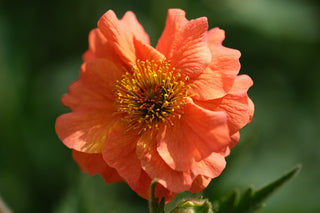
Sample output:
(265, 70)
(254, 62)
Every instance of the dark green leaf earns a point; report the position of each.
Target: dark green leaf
(228, 204)
(251, 201)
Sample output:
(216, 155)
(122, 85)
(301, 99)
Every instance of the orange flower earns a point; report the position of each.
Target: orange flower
(170, 113)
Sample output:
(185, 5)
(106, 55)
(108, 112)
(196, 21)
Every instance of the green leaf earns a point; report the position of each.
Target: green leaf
(228, 204)
(251, 201)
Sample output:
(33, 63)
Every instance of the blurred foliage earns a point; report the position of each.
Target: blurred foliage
(41, 43)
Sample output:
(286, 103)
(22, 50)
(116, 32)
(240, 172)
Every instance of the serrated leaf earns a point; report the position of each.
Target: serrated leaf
(251, 201)
(227, 205)
(246, 198)
(268, 190)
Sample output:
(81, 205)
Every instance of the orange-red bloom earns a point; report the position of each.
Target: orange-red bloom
(172, 112)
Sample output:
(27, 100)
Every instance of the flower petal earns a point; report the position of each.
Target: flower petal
(207, 169)
(91, 99)
(142, 187)
(146, 52)
(88, 55)
(199, 184)
(234, 139)
(208, 85)
(236, 104)
(100, 48)
(85, 130)
(175, 21)
(218, 78)
(184, 43)
(251, 109)
(211, 167)
(94, 164)
(95, 85)
(193, 138)
(156, 168)
(195, 179)
(130, 21)
(119, 152)
(215, 37)
(120, 34)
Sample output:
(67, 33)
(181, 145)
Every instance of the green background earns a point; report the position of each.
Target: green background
(41, 43)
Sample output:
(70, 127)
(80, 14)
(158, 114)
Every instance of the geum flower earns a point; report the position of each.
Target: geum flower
(170, 113)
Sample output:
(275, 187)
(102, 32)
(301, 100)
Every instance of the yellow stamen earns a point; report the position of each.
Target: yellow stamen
(151, 94)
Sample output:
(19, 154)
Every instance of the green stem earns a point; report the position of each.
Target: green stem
(155, 206)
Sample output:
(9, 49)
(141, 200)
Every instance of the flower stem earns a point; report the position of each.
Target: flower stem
(155, 206)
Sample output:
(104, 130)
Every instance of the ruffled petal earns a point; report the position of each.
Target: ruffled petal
(119, 152)
(215, 37)
(194, 180)
(130, 21)
(207, 169)
(218, 78)
(156, 168)
(234, 139)
(146, 52)
(100, 48)
(193, 138)
(211, 167)
(236, 104)
(208, 85)
(142, 188)
(199, 184)
(88, 55)
(184, 43)
(175, 21)
(94, 164)
(120, 34)
(251, 109)
(85, 130)
(94, 87)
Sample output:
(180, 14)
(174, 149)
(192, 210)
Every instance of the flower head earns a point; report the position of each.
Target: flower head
(170, 113)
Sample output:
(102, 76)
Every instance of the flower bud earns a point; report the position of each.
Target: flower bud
(193, 206)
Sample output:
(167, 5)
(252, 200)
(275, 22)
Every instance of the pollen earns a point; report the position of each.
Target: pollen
(151, 94)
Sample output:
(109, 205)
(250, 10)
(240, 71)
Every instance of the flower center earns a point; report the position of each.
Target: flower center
(153, 93)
